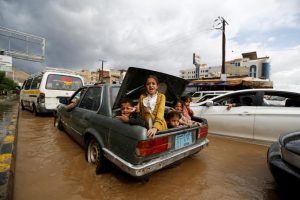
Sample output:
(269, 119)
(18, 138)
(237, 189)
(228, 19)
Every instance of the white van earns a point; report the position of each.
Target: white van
(40, 92)
(198, 96)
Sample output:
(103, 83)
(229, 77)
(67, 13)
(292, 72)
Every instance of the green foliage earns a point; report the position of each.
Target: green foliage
(6, 83)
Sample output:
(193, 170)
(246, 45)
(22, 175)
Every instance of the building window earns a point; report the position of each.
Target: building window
(252, 71)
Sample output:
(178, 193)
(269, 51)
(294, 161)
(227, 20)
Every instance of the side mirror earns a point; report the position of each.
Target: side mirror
(63, 100)
(209, 103)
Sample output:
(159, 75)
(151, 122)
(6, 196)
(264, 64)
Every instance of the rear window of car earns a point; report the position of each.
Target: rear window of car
(36, 82)
(63, 82)
(27, 84)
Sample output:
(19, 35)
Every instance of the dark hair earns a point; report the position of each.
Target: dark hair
(178, 101)
(187, 97)
(126, 100)
(172, 114)
(154, 77)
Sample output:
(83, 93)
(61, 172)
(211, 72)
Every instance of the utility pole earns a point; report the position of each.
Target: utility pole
(222, 21)
(101, 79)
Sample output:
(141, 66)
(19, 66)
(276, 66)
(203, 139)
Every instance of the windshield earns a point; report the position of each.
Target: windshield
(63, 82)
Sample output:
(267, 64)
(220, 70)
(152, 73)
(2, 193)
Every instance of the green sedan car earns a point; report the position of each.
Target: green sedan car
(91, 122)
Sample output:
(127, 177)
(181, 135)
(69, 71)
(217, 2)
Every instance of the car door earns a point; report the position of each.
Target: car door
(237, 121)
(276, 115)
(81, 115)
(66, 112)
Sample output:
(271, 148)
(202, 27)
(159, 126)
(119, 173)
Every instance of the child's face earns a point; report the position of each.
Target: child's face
(174, 121)
(151, 86)
(126, 109)
(178, 107)
(187, 102)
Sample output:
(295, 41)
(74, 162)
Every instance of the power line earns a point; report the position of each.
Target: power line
(174, 40)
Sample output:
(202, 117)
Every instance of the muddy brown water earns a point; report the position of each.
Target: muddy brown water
(50, 165)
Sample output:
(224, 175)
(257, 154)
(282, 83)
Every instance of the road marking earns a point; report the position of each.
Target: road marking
(9, 139)
(4, 167)
(5, 156)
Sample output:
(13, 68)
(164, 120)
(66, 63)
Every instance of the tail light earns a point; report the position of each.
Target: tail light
(41, 98)
(202, 132)
(153, 146)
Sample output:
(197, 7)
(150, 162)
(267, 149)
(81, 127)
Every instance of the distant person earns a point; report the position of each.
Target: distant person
(128, 114)
(75, 101)
(173, 118)
(151, 106)
(246, 101)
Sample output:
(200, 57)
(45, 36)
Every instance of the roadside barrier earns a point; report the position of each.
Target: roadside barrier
(7, 153)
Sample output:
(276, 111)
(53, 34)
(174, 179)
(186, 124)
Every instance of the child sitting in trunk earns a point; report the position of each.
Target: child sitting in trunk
(128, 114)
(179, 107)
(173, 118)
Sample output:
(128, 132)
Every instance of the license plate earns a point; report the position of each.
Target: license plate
(183, 140)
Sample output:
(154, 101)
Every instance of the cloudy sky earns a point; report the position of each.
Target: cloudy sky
(159, 35)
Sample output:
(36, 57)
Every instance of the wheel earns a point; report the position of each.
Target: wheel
(22, 106)
(34, 111)
(57, 123)
(95, 156)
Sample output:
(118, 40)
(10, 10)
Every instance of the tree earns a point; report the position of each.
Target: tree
(6, 83)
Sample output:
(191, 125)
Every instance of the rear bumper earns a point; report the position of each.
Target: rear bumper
(155, 164)
(284, 173)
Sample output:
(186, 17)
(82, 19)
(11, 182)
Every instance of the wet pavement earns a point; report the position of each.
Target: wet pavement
(50, 165)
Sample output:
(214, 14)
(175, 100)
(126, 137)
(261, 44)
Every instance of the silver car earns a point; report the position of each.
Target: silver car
(260, 114)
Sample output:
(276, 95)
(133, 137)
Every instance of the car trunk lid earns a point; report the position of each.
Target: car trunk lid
(133, 85)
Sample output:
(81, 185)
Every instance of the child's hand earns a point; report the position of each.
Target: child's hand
(123, 118)
(132, 109)
(151, 132)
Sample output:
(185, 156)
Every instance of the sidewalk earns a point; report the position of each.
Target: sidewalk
(9, 110)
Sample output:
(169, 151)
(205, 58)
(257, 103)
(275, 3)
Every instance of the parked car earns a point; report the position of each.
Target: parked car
(105, 138)
(200, 94)
(206, 97)
(284, 160)
(261, 114)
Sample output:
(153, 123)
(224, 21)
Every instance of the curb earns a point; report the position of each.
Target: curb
(8, 155)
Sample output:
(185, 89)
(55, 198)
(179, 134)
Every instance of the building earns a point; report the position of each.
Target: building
(86, 75)
(249, 65)
(109, 76)
(192, 74)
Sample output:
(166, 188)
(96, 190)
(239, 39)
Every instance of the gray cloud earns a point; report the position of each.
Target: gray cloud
(160, 35)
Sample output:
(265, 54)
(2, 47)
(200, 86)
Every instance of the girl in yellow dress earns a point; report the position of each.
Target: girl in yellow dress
(152, 107)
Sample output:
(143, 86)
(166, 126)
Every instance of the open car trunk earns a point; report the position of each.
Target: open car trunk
(134, 82)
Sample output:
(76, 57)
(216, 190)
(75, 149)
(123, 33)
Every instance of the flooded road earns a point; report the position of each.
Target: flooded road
(50, 165)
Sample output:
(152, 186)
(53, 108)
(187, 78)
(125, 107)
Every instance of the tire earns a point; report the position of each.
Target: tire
(34, 111)
(57, 123)
(22, 106)
(94, 155)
